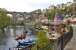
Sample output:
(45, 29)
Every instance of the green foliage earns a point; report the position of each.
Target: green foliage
(4, 19)
(51, 13)
(34, 47)
(42, 41)
(37, 11)
(2, 37)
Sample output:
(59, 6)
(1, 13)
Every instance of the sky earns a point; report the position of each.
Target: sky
(28, 5)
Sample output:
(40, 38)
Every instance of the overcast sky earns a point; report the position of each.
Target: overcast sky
(28, 5)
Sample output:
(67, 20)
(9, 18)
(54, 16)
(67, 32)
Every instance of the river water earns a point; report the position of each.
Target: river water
(10, 41)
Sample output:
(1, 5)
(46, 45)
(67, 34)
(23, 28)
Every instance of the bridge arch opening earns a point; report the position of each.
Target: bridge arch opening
(10, 15)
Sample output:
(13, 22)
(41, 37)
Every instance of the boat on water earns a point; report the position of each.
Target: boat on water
(25, 41)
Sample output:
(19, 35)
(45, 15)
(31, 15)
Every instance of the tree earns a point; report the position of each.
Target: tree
(4, 19)
(37, 11)
(4, 22)
(51, 13)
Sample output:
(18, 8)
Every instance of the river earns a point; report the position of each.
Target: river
(10, 40)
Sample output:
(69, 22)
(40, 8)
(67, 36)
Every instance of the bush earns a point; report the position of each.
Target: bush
(42, 41)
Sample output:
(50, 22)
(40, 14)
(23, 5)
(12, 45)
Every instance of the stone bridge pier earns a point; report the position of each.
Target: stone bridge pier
(18, 17)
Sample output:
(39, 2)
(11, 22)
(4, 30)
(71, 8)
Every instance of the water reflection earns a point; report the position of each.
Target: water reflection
(10, 40)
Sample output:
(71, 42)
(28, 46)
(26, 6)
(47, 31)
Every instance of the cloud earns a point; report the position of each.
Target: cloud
(27, 5)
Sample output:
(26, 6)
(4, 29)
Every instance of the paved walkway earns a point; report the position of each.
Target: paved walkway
(72, 44)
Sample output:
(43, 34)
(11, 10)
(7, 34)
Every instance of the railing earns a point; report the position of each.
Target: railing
(67, 37)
